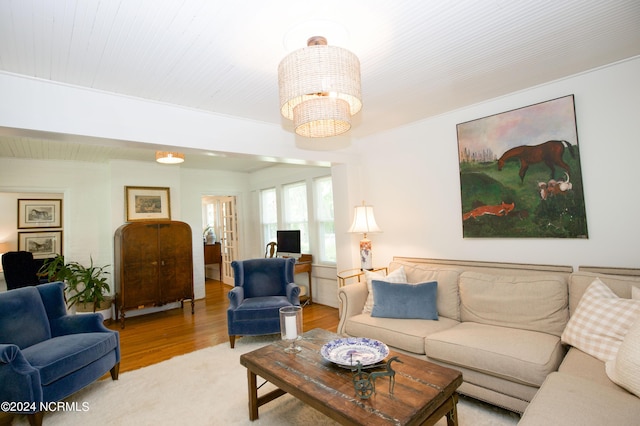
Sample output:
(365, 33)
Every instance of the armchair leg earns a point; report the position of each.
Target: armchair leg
(115, 371)
(35, 419)
(232, 340)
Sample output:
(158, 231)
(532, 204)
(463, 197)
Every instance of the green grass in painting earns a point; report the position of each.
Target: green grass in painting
(561, 216)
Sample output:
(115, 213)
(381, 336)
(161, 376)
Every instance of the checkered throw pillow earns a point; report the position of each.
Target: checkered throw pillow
(601, 321)
(397, 276)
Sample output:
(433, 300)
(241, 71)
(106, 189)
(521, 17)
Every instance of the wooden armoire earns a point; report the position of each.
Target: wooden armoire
(153, 265)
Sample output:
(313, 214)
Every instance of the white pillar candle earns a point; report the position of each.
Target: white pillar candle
(290, 327)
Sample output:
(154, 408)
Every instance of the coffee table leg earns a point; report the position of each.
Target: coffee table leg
(452, 416)
(253, 395)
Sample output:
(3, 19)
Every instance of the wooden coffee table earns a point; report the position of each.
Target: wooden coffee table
(424, 392)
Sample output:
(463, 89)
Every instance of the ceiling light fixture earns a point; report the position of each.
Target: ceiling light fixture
(320, 89)
(168, 157)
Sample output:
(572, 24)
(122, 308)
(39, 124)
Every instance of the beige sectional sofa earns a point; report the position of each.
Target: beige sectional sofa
(498, 323)
(580, 392)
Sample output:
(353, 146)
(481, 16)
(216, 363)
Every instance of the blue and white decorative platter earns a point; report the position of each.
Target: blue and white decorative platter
(346, 352)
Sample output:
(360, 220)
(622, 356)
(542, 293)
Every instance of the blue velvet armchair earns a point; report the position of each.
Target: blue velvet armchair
(47, 355)
(262, 287)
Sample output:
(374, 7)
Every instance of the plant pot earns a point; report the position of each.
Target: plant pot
(105, 308)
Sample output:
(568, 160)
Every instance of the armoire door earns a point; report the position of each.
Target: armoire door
(175, 261)
(140, 265)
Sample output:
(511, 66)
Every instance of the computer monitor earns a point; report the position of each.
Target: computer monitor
(288, 243)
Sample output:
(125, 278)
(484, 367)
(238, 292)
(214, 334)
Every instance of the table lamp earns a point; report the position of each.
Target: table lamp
(364, 223)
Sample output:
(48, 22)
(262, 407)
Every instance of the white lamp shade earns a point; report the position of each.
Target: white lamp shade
(363, 221)
(321, 117)
(320, 89)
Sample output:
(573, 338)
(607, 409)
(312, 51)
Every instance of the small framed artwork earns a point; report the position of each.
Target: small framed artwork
(39, 213)
(147, 203)
(41, 244)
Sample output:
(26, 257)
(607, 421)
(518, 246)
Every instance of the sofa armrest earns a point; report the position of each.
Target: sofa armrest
(293, 293)
(236, 296)
(74, 324)
(352, 299)
(20, 381)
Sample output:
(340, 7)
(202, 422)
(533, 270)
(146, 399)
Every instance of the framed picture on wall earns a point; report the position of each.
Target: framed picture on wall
(520, 173)
(147, 203)
(42, 213)
(41, 244)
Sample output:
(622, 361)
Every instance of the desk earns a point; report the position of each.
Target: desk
(304, 265)
(213, 255)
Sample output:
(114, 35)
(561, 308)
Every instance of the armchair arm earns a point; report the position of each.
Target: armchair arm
(293, 293)
(352, 299)
(73, 324)
(20, 381)
(236, 296)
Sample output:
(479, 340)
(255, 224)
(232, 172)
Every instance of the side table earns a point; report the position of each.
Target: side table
(355, 273)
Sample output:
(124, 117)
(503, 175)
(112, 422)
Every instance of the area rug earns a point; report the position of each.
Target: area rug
(208, 387)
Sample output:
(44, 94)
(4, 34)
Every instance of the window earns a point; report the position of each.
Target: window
(269, 214)
(294, 199)
(323, 190)
(306, 205)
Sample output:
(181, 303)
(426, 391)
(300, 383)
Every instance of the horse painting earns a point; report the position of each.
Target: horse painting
(550, 152)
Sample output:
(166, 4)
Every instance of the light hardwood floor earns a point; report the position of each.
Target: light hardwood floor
(153, 338)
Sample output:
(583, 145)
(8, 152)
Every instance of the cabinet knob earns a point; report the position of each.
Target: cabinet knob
(154, 263)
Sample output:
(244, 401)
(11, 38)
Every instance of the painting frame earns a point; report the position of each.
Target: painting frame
(521, 175)
(39, 213)
(42, 245)
(147, 203)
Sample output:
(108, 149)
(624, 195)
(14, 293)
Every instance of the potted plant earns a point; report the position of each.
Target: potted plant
(55, 269)
(86, 287)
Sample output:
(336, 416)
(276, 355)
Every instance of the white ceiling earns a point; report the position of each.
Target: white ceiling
(419, 58)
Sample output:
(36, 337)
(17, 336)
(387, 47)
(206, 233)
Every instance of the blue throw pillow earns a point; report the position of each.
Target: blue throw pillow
(404, 300)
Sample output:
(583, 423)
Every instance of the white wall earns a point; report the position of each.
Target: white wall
(94, 201)
(86, 203)
(411, 176)
(62, 112)
(94, 207)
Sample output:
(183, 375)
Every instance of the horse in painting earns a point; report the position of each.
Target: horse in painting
(549, 152)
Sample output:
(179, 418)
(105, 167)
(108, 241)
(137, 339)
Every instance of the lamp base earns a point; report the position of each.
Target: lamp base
(366, 262)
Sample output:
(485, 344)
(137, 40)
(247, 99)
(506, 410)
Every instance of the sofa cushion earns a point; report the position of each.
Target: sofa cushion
(397, 276)
(447, 278)
(60, 356)
(519, 355)
(581, 364)
(580, 281)
(405, 334)
(260, 307)
(600, 321)
(23, 319)
(404, 300)
(533, 302)
(625, 368)
(564, 399)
